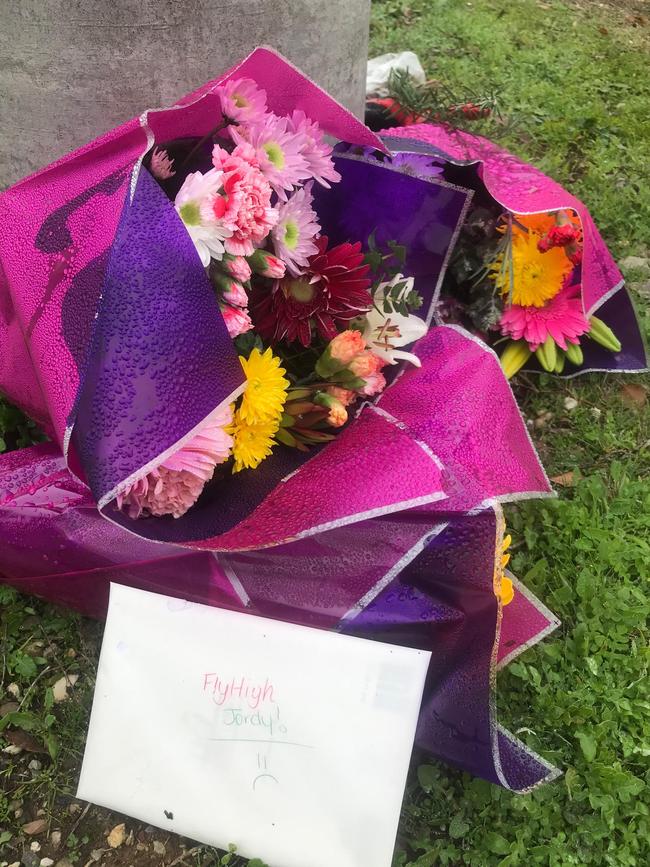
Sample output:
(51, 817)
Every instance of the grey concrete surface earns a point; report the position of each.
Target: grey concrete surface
(72, 69)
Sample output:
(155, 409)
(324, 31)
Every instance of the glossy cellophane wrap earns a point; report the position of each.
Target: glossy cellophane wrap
(523, 189)
(112, 340)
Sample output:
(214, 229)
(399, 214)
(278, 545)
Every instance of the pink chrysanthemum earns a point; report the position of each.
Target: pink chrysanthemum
(278, 149)
(242, 100)
(244, 204)
(297, 227)
(174, 486)
(562, 318)
(315, 150)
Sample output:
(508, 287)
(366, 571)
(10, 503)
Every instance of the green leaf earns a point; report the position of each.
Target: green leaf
(497, 843)
(52, 744)
(587, 745)
(21, 719)
(458, 827)
(428, 776)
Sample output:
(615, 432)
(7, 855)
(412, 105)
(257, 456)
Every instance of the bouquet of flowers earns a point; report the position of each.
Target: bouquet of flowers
(530, 273)
(225, 328)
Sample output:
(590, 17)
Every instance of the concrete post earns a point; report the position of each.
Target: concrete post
(72, 69)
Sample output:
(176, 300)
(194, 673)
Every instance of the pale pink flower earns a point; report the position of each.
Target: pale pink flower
(278, 149)
(244, 203)
(297, 227)
(235, 294)
(161, 165)
(174, 486)
(237, 320)
(242, 100)
(315, 150)
(346, 346)
(562, 318)
(238, 268)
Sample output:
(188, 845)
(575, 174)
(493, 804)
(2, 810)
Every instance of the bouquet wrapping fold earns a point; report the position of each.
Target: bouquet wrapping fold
(522, 189)
(112, 339)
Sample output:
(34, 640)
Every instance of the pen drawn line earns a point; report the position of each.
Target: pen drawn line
(265, 776)
(261, 741)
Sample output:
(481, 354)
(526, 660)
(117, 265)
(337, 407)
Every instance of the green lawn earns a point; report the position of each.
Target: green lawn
(573, 78)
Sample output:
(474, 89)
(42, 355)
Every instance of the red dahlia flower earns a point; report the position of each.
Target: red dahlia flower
(332, 291)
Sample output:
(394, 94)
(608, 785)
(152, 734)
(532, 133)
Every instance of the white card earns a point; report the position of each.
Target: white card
(292, 743)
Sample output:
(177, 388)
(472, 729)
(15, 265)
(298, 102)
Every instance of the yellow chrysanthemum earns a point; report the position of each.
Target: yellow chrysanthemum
(266, 388)
(536, 277)
(251, 442)
(503, 586)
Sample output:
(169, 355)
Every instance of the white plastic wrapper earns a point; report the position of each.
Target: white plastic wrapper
(380, 68)
(291, 742)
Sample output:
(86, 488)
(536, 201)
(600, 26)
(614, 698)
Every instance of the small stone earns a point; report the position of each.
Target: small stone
(159, 847)
(60, 688)
(596, 412)
(35, 846)
(35, 827)
(64, 862)
(13, 750)
(14, 864)
(18, 813)
(71, 653)
(30, 859)
(14, 689)
(116, 836)
(96, 854)
(140, 847)
(570, 403)
(74, 808)
(55, 839)
(34, 765)
(47, 862)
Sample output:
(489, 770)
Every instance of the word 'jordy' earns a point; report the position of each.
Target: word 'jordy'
(224, 690)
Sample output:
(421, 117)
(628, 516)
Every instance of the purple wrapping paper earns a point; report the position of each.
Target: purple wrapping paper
(113, 341)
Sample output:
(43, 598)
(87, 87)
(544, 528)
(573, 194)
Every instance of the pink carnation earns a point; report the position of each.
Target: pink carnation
(365, 364)
(174, 486)
(235, 294)
(346, 346)
(237, 320)
(562, 318)
(238, 268)
(375, 383)
(244, 204)
(344, 395)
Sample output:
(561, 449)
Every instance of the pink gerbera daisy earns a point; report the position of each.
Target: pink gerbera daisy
(242, 100)
(278, 149)
(296, 229)
(315, 150)
(562, 318)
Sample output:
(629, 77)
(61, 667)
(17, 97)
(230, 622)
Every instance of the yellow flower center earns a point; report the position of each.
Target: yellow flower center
(190, 214)
(300, 290)
(275, 154)
(291, 234)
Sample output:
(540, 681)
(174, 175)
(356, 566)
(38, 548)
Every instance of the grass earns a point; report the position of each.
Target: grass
(574, 77)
